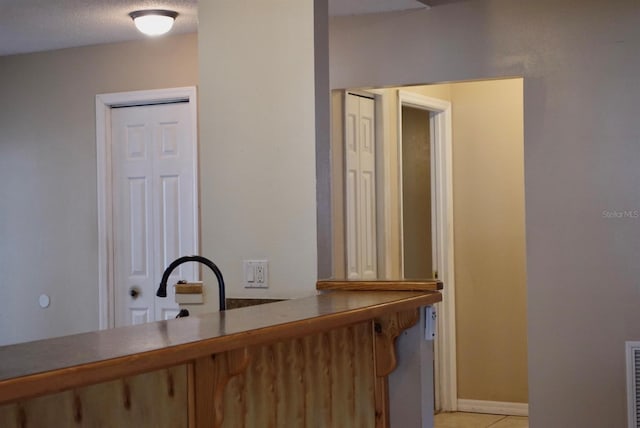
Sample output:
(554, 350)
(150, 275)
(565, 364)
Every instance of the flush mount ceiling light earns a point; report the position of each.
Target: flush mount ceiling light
(153, 22)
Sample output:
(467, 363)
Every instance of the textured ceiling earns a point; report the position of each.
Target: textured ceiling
(39, 25)
(36, 25)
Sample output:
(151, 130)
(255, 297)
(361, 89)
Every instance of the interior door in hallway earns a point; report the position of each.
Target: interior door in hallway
(153, 207)
(360, 192)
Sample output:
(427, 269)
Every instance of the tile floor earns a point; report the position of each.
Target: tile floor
(477, 420)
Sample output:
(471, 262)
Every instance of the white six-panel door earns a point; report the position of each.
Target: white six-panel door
(360, 188)
(153, 207)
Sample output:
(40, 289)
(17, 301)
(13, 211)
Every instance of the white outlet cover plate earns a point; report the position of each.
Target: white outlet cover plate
(251, 276)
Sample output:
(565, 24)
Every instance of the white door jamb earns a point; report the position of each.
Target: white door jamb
(442, 201)
(104, 103)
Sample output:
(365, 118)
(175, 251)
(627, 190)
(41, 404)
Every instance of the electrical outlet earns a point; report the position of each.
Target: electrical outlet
(256, 273)
(259, 273)
(430, 323)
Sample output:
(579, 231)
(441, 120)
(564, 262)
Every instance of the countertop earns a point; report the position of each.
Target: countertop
(46, 366)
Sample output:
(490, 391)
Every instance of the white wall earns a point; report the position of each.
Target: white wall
(580, 66)
(48, 202)
(257, 142)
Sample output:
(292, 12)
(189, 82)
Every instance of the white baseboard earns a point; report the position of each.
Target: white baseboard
(493, 407)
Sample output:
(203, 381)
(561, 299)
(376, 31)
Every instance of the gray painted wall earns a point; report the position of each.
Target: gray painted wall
(48, 202)
(580, 63)
(411, 399)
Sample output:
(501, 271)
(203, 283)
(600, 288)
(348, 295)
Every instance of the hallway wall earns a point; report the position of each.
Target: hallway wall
(48, 218)
(489, 230)
(580, 66)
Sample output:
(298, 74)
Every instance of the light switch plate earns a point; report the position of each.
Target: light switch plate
(255, 273)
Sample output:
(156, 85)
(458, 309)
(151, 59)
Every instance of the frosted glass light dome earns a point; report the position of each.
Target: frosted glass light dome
(153, 22)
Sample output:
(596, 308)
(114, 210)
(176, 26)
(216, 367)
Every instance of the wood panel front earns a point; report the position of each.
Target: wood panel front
(317, 381)
(157, 399)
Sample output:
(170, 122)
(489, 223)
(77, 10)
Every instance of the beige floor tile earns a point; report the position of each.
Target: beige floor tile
(512, 422)
(465, 420)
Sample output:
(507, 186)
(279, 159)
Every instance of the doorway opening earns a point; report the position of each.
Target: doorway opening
(416, 205)
(147, 199)
(487, 367)
(368, 195)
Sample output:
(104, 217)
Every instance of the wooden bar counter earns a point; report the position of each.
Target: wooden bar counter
(320, 361)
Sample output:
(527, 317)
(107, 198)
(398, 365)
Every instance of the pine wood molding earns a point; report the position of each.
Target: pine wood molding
(212, 374)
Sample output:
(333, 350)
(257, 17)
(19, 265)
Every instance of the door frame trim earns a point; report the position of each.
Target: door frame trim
(442, 218)
(104, 104)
